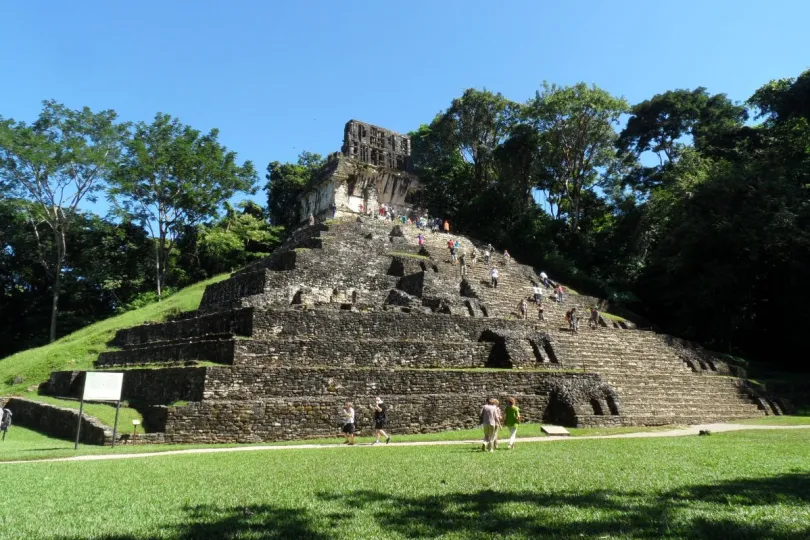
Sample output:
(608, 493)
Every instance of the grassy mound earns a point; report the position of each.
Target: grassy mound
(26, 369)
(750, 484)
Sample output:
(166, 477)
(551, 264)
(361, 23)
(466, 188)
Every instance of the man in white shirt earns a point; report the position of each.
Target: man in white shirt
(494, 275)
(538, 293)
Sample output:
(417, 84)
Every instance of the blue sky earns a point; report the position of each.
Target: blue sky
(280, 77)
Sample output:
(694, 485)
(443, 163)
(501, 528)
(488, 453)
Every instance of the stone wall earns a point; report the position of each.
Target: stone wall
(235, 287)
(219, 351)
(301, 418)
(247, 383)
(367, 353)
(281, 323)
(231, 322)
(57, 422)
(147, 386)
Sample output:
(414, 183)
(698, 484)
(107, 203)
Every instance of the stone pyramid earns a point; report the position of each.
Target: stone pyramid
(354, 308)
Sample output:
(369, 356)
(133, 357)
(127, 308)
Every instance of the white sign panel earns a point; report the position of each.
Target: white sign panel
(102, 386)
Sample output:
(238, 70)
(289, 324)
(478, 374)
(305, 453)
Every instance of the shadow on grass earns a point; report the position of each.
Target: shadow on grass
(703, 511)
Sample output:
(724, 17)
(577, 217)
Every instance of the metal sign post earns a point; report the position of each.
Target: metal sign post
(79, 425)
(115, 426)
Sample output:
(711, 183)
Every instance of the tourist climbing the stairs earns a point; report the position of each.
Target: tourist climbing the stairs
(420, 240)
(488, 253)
(473, 257)
(522, 309)
(538, 293)
(593, 322)
(560, 294)
(348, 423)
(462, 260)
(446, 226)
(506, 257)
(493, 274)
(540, 313)
(490, 419)
(573, 322)
(452, 247)
(544, 279)
(380, 420)
(512, 420)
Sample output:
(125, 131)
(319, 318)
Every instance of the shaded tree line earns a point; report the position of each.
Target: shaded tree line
(692, 212)
(169, 223)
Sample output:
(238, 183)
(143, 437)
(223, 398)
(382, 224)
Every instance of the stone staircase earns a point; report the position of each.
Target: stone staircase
(655, 385)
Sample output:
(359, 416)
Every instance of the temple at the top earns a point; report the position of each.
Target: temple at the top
(373, 168)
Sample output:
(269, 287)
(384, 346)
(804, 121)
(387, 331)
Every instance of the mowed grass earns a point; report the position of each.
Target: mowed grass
(777, 421)
(743, 485)
(79, 349)
(25, 444)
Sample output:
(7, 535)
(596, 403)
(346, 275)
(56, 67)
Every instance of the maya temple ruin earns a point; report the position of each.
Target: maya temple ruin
(352, 307)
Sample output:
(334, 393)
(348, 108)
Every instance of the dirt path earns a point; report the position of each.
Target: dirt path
(676, 432)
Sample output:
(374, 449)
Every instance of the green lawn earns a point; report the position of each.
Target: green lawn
(744, 485)
(777, 421)
(79, 349)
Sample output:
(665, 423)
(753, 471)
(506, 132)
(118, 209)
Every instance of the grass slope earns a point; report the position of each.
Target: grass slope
(79, 349)
(743, 485)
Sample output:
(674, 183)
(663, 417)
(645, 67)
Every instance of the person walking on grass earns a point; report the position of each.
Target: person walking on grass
(491, 420)
(348, 423)
(380, 420)
(512, 419)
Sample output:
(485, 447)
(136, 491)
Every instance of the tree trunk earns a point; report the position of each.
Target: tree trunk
(59, 240)
(157, 267)
(57, 285)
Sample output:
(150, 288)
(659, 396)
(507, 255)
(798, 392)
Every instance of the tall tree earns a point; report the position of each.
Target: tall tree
(285, 181)
(577, 138)
(474, 125)
(173, 176)
(57, 162)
